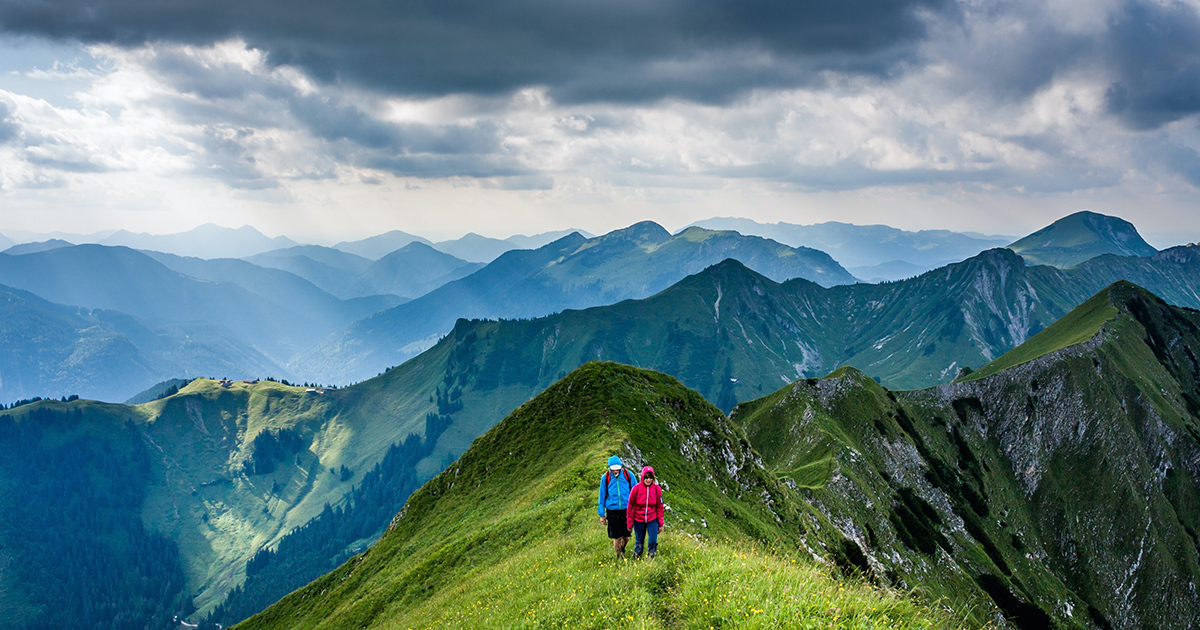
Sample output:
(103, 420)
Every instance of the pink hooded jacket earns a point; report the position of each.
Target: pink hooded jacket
(645, 502)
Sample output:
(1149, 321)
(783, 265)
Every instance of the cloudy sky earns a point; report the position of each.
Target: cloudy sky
(330, 120)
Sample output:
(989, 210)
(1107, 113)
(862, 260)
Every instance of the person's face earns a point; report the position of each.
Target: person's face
(648, 479)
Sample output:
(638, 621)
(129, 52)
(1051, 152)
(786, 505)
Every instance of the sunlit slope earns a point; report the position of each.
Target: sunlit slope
(221, 504)
(508, 536)
(1079, 237)
(1064, 488)
(1076, 327)
(226, 470)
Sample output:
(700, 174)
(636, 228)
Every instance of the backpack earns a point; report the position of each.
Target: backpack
(608, 477)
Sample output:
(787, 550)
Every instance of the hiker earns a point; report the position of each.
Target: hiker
(615, 485)
(644, 514)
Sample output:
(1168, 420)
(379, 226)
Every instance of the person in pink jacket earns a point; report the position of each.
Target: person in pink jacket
(644, 514)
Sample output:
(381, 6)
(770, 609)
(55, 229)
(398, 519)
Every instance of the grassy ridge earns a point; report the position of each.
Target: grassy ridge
(508, 536)
(1076, 327)
(1056, 492)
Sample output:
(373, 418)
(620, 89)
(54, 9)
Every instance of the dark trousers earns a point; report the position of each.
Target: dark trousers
(639, 532)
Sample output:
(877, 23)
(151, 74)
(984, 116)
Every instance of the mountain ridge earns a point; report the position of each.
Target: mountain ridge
(570, 273)
(1079, 237)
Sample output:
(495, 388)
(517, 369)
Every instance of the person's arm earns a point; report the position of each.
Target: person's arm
(662, 512)
(600, 499)
(630, 507)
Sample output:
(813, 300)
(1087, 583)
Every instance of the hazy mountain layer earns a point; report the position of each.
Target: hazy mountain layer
(33, 248)
(206, 241)
(475, 248)
(50, 350)
(865, 245)
(131, 282)
(287, 290)
(411, 271)
(545, 238)
(1073, 239)
(408, 272)
(572, 272)
(380, 245)
(333, 270)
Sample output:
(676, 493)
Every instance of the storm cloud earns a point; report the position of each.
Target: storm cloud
(617, 99)
(609, 50)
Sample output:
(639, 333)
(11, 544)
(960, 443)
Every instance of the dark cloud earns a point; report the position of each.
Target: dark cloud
(1155, 49)
(614, 50)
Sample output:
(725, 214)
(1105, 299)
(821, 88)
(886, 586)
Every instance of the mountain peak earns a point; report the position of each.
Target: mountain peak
(1078, 237)
(643, 232)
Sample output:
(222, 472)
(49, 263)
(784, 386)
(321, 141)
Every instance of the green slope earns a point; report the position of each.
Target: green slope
(508, 536)
(232, 469)
(1062, 489)
(1078, 237)
(1078, 326)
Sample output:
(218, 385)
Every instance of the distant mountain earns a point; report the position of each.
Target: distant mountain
(411, 271)
(53, 350)
(475, 248)
(537, 240)
(121, 279)
(333, 270)
(26, 236)
(205, 241)
(866, 245)
(33, 248)
(572, 272)
(291, 292)
(6, 242)
(378, 246)
(735, 335)
(888, 271)
(1081, 236)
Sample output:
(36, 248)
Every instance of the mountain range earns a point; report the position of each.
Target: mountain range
(283, 319)
(205, 241)
(572, 272)
(1056, 490)
(229, 472)
(871, 252)
(408, 272)
(105, 354)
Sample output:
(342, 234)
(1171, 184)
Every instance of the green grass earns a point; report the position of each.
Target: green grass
(572, 582)
(1076, 327)
(509, 537)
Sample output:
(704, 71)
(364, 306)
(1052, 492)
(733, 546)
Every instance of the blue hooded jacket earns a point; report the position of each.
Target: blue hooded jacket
(615, 486)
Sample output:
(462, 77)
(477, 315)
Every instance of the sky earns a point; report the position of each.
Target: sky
(328, 121)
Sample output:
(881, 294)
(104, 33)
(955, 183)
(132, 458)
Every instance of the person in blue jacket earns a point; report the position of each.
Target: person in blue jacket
(615, 486)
